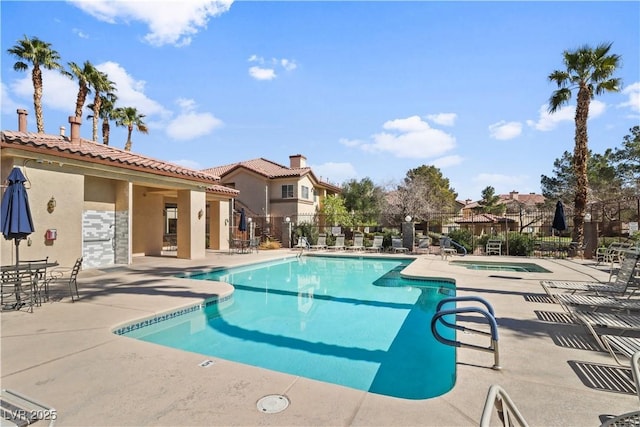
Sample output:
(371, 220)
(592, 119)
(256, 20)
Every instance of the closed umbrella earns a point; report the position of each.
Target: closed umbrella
(16, 222)
(242, 224)
(559, 221)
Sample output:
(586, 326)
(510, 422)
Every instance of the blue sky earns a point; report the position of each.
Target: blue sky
(362, 89)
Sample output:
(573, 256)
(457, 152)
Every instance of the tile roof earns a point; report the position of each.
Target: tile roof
(268, 169)
(91, 152)
(261, 166)
(483, 218)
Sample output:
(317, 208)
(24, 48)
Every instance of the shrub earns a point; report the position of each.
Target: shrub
(519, 244)
(462, 237)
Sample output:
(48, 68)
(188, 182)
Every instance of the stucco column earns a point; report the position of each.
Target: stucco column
(191, 224)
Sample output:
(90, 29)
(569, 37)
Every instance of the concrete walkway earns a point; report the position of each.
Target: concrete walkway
(65, 354)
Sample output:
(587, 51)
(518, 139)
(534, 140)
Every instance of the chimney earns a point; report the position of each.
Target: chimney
(514, 195)
(75, 129)
(62, 130)
(297, 161)
(22, 120)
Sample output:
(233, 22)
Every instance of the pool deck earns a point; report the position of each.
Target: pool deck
(66, 355)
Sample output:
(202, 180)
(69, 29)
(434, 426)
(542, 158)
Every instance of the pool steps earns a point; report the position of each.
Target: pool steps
(488, 314)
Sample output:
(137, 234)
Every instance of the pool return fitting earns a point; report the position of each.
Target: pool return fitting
(488, 314)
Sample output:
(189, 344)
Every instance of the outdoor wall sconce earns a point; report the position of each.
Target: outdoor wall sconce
(51, 204)
(200, 213)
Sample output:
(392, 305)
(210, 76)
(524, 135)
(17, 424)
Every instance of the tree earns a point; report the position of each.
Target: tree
(627, 160)
(489, 202)
(38, 54)
(104, 89)
(423, 192)
(364, 199)
(85, 76)
(106, 113)
(590, 71)
(334, 211)
(129, 117)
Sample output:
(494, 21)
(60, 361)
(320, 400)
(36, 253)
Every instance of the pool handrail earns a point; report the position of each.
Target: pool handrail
(488, 315)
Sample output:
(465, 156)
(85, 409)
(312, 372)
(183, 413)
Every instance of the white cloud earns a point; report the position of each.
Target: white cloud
(443, 119)
(80, 33)
(446, 161)
(350, 142)
(8, 105)
(547, 121)
(411, 138)
(267, 68)
(335, 173)
(191, 164)
(505, 130)
(169, 22)
(189, 124)
(633, 91)
(130, 92)
(58, 92)
(260, 73)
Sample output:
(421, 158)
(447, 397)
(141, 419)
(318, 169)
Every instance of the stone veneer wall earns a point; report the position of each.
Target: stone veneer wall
(122, 237)
(98, 231)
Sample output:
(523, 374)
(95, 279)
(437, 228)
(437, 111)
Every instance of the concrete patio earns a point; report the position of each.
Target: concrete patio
(66, 355)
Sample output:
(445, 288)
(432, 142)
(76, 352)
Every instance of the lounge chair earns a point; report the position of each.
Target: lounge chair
(493, 247)
(612, 253)
(338, 245)
(630, 418)
(396, 245)
(358, 243)
(321, 243)
(594, 320)
(624, 277)
(376, 245)
(627, 346)
(570, 302)
(423, 245)
(303, 243)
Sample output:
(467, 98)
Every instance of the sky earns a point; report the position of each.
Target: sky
(362, 89)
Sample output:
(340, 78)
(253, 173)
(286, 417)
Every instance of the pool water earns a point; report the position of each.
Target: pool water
(348, 321)
(524, 267)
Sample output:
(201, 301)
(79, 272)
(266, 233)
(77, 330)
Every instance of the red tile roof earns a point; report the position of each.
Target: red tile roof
(91, 152)
(483, 218)
(268, 169)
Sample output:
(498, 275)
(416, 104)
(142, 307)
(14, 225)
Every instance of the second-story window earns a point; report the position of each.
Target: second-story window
(305, 192)
(287, 191)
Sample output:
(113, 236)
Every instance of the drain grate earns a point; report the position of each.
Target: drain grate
(273, 403)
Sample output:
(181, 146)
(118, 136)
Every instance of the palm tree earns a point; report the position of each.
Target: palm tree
(129, 117)
(106, 113)
(36, 53)
(590, 71)
(85, 76)
(104, 89)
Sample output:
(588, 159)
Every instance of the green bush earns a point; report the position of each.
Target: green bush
(462, 237)
(519, 244)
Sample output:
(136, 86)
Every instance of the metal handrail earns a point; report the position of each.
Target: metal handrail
(488, 315)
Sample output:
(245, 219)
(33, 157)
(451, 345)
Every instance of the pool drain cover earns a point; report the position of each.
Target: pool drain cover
(273, 403)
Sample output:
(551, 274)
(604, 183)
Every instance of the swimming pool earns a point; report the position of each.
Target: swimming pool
(348, 321)
(525, 267)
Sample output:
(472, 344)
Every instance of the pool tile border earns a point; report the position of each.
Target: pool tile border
(172, 314)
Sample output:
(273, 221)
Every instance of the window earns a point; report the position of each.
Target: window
(305, 192)
(287, 191)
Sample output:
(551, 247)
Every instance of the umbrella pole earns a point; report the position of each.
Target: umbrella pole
(17, 250)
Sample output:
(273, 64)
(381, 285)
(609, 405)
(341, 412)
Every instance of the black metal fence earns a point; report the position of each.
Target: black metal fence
(525, 231)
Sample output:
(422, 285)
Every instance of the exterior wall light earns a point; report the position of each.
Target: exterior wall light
(51, 204)
(200, 213)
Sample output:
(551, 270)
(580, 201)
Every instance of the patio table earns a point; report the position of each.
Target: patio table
(35, 273)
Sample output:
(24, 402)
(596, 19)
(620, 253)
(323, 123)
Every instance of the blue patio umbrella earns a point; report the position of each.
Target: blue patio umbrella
(559, 221)
(16, 222)
(242, 224)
